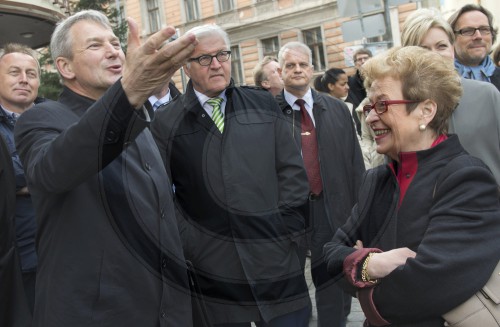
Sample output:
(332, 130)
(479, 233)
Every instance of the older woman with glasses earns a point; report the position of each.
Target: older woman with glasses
(476, 120)
(423, 237)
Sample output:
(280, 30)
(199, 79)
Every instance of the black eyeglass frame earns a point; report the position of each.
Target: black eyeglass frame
(466, 31)
(384, 104)
(217, 55)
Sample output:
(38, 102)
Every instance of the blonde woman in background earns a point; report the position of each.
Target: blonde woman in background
(476, 119)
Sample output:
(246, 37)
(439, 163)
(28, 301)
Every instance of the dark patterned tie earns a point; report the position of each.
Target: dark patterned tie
(310, 150)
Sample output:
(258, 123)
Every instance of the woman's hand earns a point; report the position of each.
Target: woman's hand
(382, 264)
(359, 245)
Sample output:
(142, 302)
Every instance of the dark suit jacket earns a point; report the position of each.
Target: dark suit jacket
(241, 197)
(14, 310)
(357, 93)
(495, 78)
(174, 91)
(108, 245)
(341, 161)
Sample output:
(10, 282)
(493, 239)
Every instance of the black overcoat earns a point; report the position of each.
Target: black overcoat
(242, 198)
(108, 245)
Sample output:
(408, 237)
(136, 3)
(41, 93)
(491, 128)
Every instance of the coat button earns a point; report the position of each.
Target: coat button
(147, 166)
(163, 314)
(164, 263)
(289, 111)
(111, 136)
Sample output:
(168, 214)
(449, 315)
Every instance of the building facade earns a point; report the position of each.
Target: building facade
(256, 27)
(260, 27)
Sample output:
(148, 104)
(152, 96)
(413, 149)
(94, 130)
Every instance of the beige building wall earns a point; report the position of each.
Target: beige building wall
(251, 21)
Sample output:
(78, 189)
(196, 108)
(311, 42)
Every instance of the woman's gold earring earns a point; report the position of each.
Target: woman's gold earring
(422, 127)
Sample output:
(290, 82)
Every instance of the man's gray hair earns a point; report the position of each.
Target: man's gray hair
(20, 48)
(295, 45)
(61, 42)
(209, 30)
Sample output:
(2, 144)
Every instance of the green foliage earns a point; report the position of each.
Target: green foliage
(50, 86)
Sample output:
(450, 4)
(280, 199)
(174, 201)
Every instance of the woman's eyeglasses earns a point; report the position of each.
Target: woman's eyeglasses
(383, 105)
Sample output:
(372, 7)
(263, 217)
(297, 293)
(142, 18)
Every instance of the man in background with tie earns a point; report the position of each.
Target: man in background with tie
(19, 82)
(164, 95)
(322, 128)
(241, 193)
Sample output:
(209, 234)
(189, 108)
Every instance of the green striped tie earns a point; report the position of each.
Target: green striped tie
(216, 113)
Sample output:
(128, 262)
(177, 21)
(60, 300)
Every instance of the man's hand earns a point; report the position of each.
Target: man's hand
(151, 65)
(382, 264)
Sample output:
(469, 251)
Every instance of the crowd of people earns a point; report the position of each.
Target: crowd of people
(129, 203)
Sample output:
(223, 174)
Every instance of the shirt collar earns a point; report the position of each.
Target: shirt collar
(166, 98)
(203, 98)
(9, 113)
(290, 99)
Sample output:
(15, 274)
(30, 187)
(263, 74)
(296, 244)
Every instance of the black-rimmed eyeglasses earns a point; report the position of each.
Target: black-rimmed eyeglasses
(469, 31)
(206, 60)
(383, 105)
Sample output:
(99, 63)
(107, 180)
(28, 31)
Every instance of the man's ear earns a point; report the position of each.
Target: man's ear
(265, 84)
(65, 68)
(279, 70)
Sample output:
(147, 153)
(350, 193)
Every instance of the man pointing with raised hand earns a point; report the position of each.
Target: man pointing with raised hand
(108, 245)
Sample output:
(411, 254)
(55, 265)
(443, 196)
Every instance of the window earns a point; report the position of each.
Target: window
(270, 47)
(153, 15)
(225, 5)
(191, 9)
(236, 71)
(314, 40)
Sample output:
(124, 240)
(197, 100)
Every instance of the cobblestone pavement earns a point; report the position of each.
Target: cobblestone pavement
(356, 317)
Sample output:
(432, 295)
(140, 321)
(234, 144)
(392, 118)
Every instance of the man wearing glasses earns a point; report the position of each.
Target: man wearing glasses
(357, 90)
(241, 193)
(475, 35)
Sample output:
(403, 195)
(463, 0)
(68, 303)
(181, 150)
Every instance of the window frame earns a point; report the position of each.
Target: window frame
(237, 72)
(225, 3)
(193, 14)
(317, 47)
(154, 16)
(275, 46)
